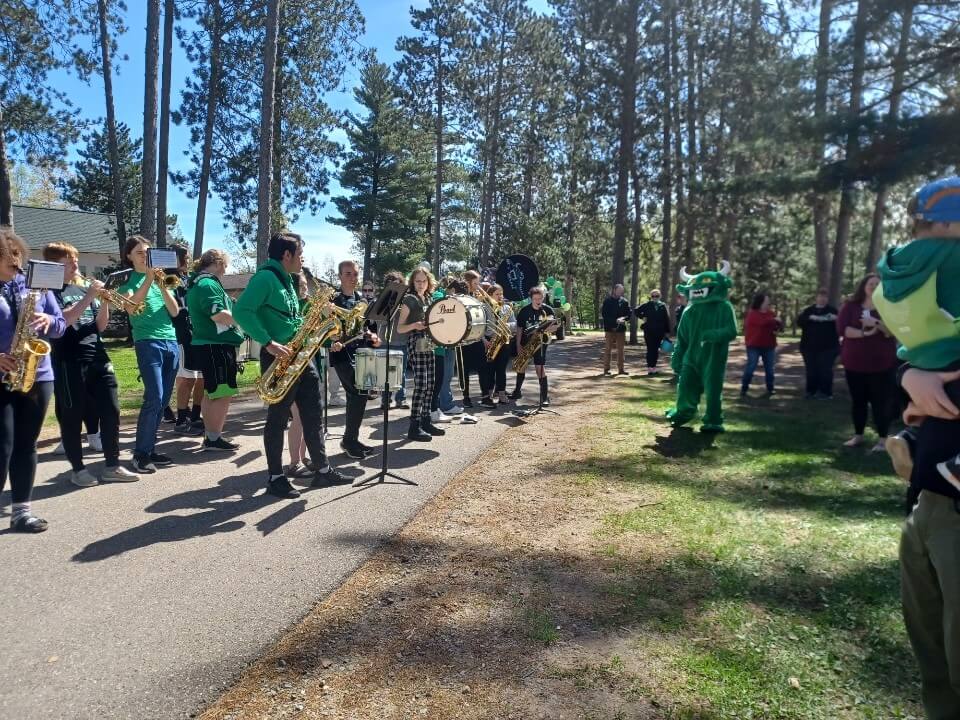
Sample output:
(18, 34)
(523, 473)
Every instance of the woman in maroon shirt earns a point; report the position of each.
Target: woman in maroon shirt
(760, 336)
(868, 353)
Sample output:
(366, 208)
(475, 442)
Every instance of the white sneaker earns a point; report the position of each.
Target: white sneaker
(455, 410)
(437, 416)
(118, 474)
(58, 450)
(468, 420)
(83, 478)
(94, 442)
(337, 401)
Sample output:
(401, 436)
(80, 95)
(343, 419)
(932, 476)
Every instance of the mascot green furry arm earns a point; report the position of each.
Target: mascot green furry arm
(700, 354)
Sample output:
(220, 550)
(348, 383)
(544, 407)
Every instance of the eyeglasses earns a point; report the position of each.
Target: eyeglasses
(368, 290)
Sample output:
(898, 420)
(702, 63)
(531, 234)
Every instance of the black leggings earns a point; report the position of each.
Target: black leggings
(652, 341)
(438, 361)
(500, 363)
(879, 391)
(21, 417)
(82, 387)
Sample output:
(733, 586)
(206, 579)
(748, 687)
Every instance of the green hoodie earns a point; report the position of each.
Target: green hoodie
(269, 309)
(919, 299)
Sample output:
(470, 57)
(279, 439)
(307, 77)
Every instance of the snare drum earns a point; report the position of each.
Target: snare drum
(456, 320)
(371, 370)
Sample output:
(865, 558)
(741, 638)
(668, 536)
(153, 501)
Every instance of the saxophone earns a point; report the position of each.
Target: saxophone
(537, 338)
(316, 329)
(501, 331)
(351, 322)
(26, 348)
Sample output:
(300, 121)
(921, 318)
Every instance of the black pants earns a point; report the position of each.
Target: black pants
(356, 402)
(878, 390)
(21, 417)
(652, 340)
(499, 366)
(306, 394)
(474, 360)
(438, 361)
(80, 387)
(819, 366)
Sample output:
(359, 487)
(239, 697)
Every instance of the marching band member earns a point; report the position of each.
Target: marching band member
(21, 414)
(155, 342)
(529, 317)
(500, 362)
(412, 322)
(83, 374)
(189, 383)
(343, 360)
(269, 311)
(474, 354)
(215, 339)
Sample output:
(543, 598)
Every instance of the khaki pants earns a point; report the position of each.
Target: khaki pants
(613, 339)
(930, 590)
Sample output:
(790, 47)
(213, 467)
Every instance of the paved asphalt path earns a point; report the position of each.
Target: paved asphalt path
(145, 600)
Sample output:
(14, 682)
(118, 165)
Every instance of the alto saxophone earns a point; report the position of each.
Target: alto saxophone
(501, 331)
(316, 329)
(534, 342)
(26, 348)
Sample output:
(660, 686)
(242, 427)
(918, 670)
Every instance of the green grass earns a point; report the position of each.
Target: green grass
(768, 585)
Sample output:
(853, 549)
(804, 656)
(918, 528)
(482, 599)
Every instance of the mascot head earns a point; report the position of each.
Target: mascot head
(708, 286)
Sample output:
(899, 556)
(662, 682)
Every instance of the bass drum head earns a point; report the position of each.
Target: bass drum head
(516, 275)
(447, 321)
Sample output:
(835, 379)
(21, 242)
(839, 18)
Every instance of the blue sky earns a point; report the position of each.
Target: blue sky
(386, 20)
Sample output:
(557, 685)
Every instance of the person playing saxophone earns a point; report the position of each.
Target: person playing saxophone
(269, 312)
(22, 413)
(530, 320)
(343, 360)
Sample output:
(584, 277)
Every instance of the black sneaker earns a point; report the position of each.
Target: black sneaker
(185, 427)
(160, 460)
(168, 416)
(545, 402)
(28, 524)
(330, 477)
(368, 449)
(515, 395)
(280, 487)
(220, 443)
(198, 426)
(353, 451)
(141, 465)
(488, 403)
(467, 402)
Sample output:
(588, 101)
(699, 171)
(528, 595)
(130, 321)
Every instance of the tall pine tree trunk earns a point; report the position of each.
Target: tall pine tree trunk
(896, 95)
(148, 208)
(628, 117)
(213, 79)
(265, 170)
(820, 203)
(107, 70)
(635, 249)
(689, 227)
(438, 181)
(494, 151)
(666, 175)
(169, 12)
(6, 200)
(847, 187)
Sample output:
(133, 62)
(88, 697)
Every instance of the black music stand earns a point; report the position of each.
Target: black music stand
(326, 396)
(384, 310)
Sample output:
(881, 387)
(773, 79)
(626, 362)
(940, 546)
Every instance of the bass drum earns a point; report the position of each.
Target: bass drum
(456, 320)
(371, 371)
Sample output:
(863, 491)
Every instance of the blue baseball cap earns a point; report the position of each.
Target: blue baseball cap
(939, 201)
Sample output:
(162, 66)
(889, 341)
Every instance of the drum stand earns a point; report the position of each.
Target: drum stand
(382, 475)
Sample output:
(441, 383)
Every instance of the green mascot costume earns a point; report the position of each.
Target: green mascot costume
(700, 354)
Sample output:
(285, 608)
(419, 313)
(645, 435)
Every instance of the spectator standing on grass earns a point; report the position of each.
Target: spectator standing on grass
(615, 311)
(869, 357)
(819, 345)
(656, 327)
(760, 336)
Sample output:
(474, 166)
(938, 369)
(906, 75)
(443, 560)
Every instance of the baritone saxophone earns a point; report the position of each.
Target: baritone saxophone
(316, 329)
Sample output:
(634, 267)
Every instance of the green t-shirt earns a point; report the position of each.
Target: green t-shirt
(154, 323)
(205, 298)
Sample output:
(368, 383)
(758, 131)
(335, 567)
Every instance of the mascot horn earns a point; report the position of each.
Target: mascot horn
(700, 354)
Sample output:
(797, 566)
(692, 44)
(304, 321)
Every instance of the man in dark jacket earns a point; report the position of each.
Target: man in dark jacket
(819, 345)
(615, 311)
(656, 326)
